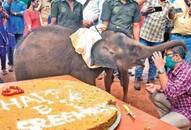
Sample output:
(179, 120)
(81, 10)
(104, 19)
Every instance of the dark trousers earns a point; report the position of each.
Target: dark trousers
(166, 36)
(10, 47)
(10, 55)
(18, 37)
(3, 57)
(152, 67)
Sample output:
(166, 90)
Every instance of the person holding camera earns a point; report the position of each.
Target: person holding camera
(156, 13)
(182, 24)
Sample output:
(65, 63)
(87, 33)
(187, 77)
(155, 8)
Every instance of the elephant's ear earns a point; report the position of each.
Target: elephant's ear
(102, 55)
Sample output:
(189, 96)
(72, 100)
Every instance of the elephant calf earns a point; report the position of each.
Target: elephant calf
(48, 52)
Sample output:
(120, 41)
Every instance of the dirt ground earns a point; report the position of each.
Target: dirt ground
(138, 99)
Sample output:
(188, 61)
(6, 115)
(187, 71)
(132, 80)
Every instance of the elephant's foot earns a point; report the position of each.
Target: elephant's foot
(125, 98)
(101, 76)
(108, 80)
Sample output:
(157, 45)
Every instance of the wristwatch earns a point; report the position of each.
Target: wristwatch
(161, 70)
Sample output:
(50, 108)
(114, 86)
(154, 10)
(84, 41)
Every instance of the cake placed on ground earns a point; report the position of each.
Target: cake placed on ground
(57, 105)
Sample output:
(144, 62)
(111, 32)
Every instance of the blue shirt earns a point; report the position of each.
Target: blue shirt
(9, 26)
(3, 36)
(15, 24)
(171, 1)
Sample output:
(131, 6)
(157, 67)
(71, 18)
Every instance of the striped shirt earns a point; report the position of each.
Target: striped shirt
(153, 28)
(178, 89)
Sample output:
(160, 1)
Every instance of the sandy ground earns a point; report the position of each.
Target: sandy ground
(138, 99)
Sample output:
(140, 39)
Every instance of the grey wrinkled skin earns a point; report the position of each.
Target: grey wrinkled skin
(48, 52)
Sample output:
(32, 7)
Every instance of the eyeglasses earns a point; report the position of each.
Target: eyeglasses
(169, 54)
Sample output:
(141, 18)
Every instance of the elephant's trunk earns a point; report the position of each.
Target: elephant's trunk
(162, 47)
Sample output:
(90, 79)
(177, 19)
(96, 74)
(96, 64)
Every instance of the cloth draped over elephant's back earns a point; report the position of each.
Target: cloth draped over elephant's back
(83, 40)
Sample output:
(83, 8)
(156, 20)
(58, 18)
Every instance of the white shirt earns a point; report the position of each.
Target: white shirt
(92, 10)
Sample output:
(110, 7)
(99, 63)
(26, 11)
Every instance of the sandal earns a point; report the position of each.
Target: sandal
(12, 90)
(11, 68)
(4, 72)
(1, 81)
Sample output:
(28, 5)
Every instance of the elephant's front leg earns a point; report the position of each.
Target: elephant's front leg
(108, 80)
(124, 81)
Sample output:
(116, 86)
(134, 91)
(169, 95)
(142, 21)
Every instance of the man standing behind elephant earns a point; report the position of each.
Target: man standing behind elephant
(182, 24)
(91, 11)
(67, 13)
(122, 16)
(156, 13)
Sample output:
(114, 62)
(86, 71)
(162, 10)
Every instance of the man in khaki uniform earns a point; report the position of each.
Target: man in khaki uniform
(122, 16)
(67, 13)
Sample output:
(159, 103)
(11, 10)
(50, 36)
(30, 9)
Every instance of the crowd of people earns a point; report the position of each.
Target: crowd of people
(151, 22)
(17, 19)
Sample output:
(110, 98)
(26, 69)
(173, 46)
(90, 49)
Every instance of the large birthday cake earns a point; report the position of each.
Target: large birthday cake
(57, 105)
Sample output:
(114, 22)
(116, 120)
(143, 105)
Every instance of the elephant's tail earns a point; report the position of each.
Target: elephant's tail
(164, 46)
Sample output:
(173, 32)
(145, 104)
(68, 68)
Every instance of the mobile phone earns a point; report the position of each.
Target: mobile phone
(158, 8)
(178, 10)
